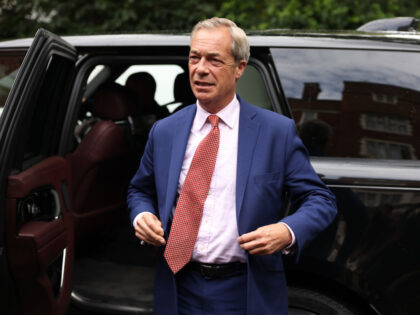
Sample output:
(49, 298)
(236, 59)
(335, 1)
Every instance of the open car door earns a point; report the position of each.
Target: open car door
(35, 183)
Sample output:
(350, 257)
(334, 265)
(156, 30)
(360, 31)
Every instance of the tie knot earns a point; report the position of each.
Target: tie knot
(214, 120)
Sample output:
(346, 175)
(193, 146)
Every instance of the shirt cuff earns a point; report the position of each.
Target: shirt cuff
(139, 216)
(289, 249)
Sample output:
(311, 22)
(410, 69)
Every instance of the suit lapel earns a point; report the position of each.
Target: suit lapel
(181, 134)
(247, 138)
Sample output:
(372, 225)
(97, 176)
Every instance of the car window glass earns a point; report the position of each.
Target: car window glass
(172, 92)
(45, 123)
(164, 76)
(348, 103)
(9, 66)
(251, 88)
(152, 92)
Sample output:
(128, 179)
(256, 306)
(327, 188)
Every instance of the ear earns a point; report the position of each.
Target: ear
(240, 68)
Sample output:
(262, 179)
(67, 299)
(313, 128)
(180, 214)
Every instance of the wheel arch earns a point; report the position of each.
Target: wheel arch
(333, 288)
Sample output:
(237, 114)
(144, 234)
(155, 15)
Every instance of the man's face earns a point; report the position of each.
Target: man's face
(213, 72)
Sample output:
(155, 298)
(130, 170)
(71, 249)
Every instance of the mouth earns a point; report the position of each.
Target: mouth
(203, 84)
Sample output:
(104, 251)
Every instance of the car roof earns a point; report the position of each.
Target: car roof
(271, 38)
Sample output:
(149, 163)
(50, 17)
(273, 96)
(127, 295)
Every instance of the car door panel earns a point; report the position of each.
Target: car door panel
(35, 181)
(36, 244)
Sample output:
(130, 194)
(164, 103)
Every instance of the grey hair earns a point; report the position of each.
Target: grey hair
(240, 44)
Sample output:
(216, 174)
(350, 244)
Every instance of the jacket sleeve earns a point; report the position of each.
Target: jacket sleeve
(142, 190)
(314, 203)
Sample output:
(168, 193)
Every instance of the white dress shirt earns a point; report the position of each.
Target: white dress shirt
(217, 236)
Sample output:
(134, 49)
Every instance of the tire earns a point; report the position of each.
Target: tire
(304, 301)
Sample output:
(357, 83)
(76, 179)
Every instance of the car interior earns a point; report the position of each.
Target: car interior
(118, 108)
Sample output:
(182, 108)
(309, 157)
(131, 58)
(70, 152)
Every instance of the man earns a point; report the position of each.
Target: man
(219, 231)
(144, 86)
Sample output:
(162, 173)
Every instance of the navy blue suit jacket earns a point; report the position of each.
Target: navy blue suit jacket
(271, 160)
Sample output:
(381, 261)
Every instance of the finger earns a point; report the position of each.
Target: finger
(260, 251)
(146, 233)
(149, 239)
(248, 237)
(250, 245)
(258, 247)
(254, 244)
(142, 234)
(154, 224)
(155, 239)
(150, 223)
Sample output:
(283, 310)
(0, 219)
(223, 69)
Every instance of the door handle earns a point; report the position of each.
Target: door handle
(42, 204)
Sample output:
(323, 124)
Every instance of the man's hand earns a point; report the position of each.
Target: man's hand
(149, 229)
(266, 240)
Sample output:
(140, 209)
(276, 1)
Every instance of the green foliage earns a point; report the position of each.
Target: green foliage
(15, 19)
(20, 18)
(313, 14)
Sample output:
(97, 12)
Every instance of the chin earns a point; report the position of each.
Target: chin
(203, 98)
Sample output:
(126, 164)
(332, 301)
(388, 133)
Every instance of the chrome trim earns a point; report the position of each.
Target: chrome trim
(63, 267)
(346, 172)
(89, 304)
(57, 203)
(374, 187)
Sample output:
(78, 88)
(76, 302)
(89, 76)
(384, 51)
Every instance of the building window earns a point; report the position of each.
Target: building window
(389, 124)
(384, 98)
(379, 149)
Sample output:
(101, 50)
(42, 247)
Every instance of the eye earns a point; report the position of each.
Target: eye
(216, 62)
(194, 59)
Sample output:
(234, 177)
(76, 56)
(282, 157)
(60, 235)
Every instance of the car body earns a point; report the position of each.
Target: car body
(66, 244)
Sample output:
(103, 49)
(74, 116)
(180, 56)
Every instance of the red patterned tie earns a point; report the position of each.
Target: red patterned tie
(189, 209)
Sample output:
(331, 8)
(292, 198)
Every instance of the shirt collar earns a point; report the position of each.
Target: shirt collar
(227, 115)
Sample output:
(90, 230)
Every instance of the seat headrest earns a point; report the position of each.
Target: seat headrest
(114, 101)
(182, 89)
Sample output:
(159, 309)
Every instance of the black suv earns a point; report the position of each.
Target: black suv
(72, 131)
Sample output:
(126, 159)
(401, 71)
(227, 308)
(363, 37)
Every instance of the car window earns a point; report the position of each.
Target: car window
(153, 90)
(251, 88)
(164, 76)
(9, 66)
(349, 103)
(45, 122)
(172, 91)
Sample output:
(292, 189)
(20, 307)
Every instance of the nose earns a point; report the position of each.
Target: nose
(202, 66)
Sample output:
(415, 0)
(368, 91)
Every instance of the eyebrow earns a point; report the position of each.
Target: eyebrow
(211, 54)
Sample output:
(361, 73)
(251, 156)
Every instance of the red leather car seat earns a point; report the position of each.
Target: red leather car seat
(103, 163)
